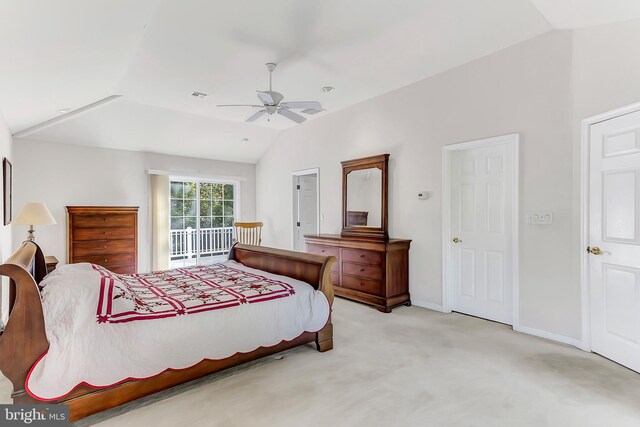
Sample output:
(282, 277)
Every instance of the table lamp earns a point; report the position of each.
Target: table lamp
(34, 214)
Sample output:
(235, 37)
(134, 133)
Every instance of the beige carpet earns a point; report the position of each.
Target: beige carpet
(413, 367)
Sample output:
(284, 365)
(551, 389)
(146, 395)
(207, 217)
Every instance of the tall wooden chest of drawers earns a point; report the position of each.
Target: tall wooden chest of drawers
(103, 235)
(374, 272)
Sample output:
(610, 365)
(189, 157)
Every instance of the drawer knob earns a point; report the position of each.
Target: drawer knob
(361, 255)
(105, 246)
(106, 260)
(361, 270)
(322, 251)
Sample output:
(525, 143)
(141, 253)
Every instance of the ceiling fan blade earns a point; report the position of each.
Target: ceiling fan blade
(302, 105)
(269, 97)
(265, 97)
(311, 111)
(291, 115)
(239, 105)
(256, 116)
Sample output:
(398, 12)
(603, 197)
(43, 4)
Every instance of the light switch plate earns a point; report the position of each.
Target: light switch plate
(540, 218)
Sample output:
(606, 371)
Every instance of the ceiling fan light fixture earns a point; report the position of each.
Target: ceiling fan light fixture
(328, 89)
(245, 140)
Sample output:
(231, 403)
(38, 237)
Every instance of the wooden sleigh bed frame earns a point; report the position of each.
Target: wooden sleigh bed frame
(24, 339)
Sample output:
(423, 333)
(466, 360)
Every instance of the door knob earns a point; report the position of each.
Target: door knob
(594, 250)
(456, 240)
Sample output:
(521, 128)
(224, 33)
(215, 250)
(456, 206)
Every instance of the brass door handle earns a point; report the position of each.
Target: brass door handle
(456, 240)
(594, 250)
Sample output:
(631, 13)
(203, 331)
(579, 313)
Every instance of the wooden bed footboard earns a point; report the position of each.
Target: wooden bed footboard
(24, 339)
(310, 268)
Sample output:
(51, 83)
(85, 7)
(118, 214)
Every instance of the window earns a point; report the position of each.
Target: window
(202, 217)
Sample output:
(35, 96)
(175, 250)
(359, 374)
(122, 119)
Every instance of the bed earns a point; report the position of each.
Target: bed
(258, 284)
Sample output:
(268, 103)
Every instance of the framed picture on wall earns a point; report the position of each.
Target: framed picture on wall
(7, 175)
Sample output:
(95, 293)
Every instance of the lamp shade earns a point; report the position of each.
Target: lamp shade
(34, 214)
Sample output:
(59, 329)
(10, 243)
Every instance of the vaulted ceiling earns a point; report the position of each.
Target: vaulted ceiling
(70, 53)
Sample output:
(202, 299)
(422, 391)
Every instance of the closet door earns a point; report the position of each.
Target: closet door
(614, 241)
(480, 273)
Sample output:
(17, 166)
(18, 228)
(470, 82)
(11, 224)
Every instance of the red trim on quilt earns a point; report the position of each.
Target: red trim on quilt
(26, 385)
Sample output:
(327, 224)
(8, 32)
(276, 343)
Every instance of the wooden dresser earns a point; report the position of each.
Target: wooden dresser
(370, 271)
(103, 235)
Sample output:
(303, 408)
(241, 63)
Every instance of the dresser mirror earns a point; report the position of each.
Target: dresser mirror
(364, 197)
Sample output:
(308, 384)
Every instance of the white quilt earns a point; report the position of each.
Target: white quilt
(100, 354)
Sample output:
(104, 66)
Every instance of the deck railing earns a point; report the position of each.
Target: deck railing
(213, 241)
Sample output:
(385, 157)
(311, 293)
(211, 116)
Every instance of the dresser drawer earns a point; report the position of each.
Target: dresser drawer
(365, 257)
(324, 250)
(327, 251)
(99, 247)
(108, 233)
(362, 285)
(361, 270)
(335, 279)
(124, 269)
(108, 260)
(104, 220)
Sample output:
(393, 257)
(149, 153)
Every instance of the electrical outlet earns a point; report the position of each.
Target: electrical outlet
(540, 218)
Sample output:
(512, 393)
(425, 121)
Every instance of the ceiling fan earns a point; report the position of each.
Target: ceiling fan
(272, 104)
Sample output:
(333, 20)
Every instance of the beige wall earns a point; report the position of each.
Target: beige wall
(525, 89)
(606, 69)
(61, 175)
(6, 148)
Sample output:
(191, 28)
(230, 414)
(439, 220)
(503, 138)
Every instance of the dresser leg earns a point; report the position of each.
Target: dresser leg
(408, 304)
(384, 309)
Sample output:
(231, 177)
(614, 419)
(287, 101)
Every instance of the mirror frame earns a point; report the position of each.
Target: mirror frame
(379, 233)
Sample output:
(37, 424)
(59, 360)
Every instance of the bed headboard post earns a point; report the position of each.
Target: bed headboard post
(24, 339)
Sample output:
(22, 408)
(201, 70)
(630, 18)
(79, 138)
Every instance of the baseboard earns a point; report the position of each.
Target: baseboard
(428, 305)
(551, 336)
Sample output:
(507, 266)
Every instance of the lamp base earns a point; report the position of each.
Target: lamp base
(31, 237)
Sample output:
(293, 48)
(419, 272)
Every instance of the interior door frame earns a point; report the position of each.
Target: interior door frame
(296, 174)
(585, 147)
(514, 141)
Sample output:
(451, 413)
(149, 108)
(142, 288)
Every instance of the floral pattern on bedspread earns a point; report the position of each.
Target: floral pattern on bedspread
(127, 298)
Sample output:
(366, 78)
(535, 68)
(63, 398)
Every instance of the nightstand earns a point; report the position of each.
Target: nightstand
(51, 262)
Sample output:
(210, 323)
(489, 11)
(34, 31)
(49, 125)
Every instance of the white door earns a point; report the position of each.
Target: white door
(305, 209)
(481, 242)
(614, 240)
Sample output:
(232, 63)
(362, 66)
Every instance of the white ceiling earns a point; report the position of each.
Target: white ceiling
(127, 125)
(572, 14)
(67, 53)
(70, 53)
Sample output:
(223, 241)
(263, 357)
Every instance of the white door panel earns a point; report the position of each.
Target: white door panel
(614, 215)
(481, 267)
(305, 209)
